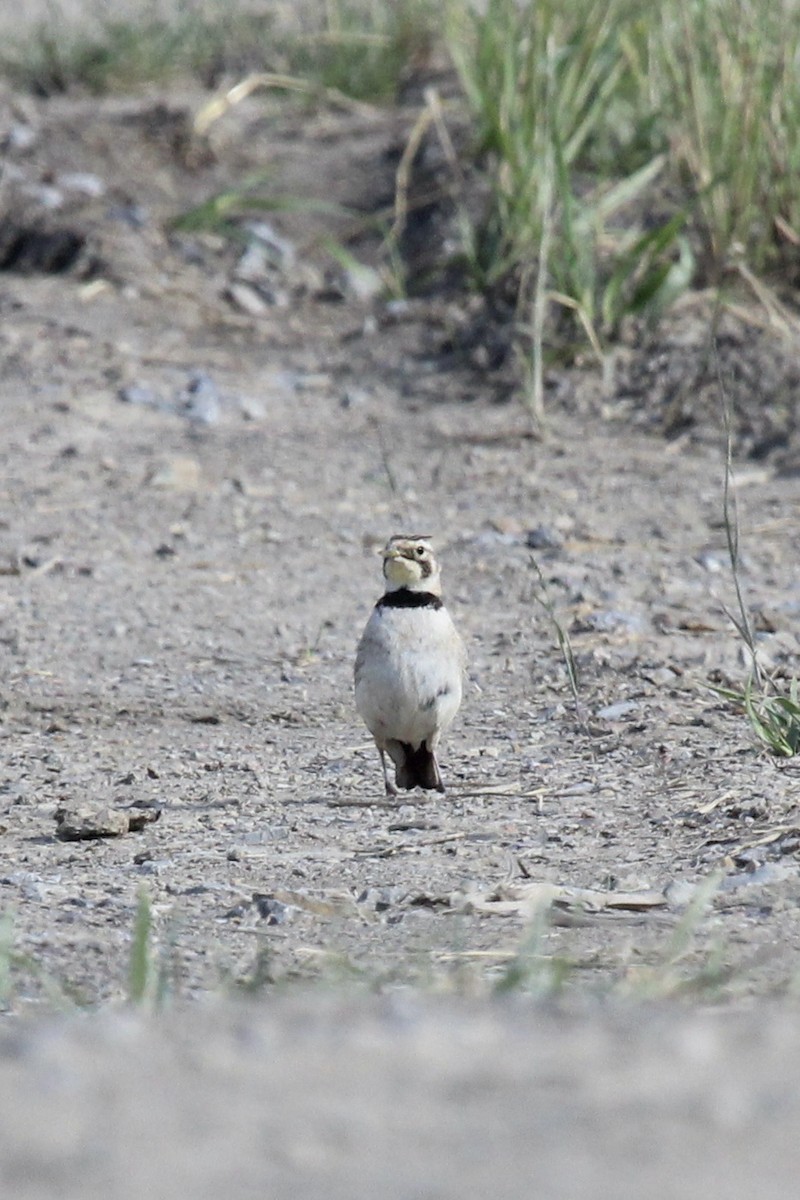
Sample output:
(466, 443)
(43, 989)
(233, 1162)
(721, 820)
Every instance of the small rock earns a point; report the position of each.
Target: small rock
(20, 137)
(764, 874)
(680, 892)
(710, 561)
(276, 297)
(380, 899)
(135, 215)
(83, 182)
(510, 525)
(542, 537)
(359, 282)
(308, 278)
(752, 856)
(493, 537)
(661, 676)
(178, 474)
(614, 712)
(200, 400)
(279, 250)
(83, 823)
(42, 893)
(79, 823)
(246, 298)
(252, 409)
(354, 397)
(138, 393)
(17, 792)
(44, 194)
(139, 817)
(253, 264)
(274, 912)
(610, 621)
(152, 866)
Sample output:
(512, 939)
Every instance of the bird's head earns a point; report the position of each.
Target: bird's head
(409, 562)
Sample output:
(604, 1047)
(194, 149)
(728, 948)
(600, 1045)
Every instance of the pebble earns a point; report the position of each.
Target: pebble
(200, 400)
(178, 474)
(612, 620)
(709, 561)
(280, 250)
(47, 196)
(43, 893)
(276, 297)
(767, 873)
(135, 215)
(81, 822)
(83, 182)
(354, 397)
(680, 893)
(362, 283)
(614, 712)
(543, 537)
(246, 298)
(379, 899)
(139, 393)
(661, 676)
(253, 264)
(20, 137)
(252, 409)
(274, 912)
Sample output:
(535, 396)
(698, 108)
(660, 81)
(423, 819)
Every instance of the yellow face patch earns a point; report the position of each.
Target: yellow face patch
(401, 571)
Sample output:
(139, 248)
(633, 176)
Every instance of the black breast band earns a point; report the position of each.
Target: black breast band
(404, 598)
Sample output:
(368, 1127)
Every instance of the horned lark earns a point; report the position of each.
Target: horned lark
(409, 666)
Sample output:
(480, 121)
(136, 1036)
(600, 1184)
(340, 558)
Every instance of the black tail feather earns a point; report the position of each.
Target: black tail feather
(415, 768)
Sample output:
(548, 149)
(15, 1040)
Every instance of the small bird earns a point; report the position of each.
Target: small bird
(409, 666)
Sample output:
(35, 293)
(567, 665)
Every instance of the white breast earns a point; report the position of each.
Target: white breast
(409, 674)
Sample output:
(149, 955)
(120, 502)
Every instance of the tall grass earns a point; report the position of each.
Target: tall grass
(114, 47)
(726, 77)
(361, 48)
(358, 47)
(772, 710)
(630, 151)
(555, 92)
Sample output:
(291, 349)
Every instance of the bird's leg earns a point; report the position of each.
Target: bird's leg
(439, 784)
(391, 789)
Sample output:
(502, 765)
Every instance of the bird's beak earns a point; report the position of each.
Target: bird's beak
(390, 552)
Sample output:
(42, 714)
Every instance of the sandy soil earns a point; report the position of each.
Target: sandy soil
(186, 566)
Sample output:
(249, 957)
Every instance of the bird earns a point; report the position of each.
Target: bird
(409, 666)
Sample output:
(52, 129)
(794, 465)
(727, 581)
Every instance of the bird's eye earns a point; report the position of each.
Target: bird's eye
(420, 551)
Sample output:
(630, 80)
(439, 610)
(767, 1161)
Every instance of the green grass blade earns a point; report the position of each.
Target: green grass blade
(140, 966)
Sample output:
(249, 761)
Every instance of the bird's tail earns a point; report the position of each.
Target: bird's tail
(415, 768)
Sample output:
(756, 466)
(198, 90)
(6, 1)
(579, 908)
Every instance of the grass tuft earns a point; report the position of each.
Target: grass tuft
(141, 970)
(673, 975)
(361, 48)
(774, 714)
(109, 53)
(542, 598)
(531, 970)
